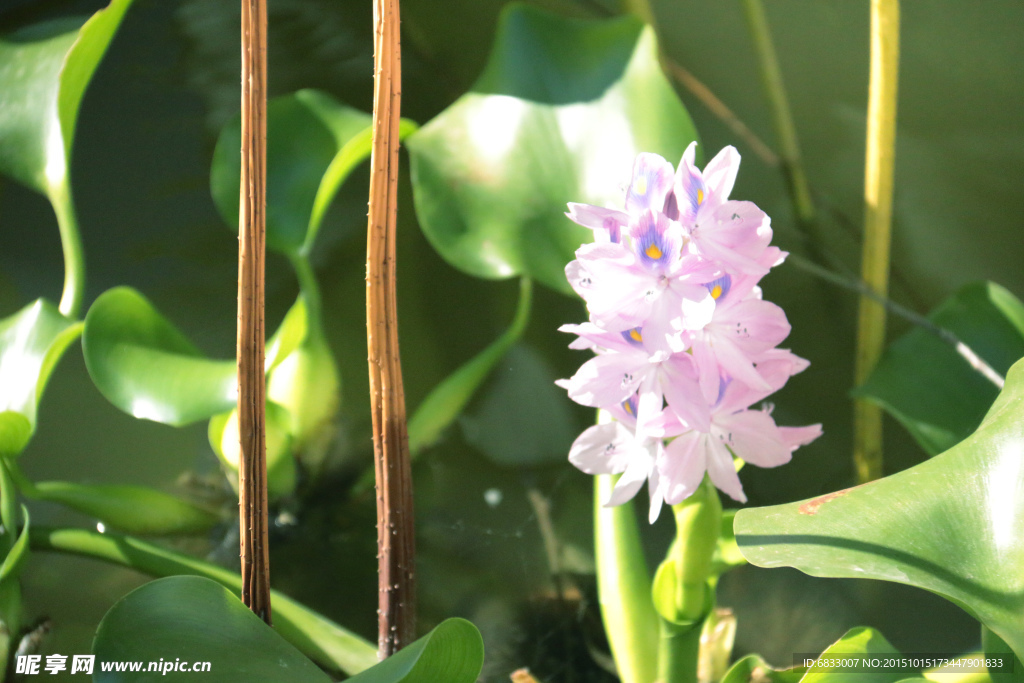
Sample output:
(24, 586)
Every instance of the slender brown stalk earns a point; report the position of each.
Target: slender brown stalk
(717, 107)
(252, 473)
(396, 546)
(878, 188)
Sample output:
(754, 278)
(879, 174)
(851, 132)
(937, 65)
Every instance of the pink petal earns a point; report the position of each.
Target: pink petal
(607, 224)
(632, 478)
(720, 173)
(652, 180)
(753, 436)
(794, 437)
(681, 387)
(722, 469)
(602, 449)
(682, 467)
(606, 380)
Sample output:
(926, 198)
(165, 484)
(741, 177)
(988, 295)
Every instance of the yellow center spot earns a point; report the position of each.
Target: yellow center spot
(716, 291)
(628, 408)
(641, 185)
(653, 251)
(634, 334)
(700, 197)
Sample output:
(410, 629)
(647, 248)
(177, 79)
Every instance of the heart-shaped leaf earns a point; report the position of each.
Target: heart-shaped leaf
(453, 652)
(313, 144)
(31, 342)
(753, 668)
(191, 619)
(930, 388)
(143, 365)
(951, 525)
(560, 112)
(188, 620)
(44, 70)
(851, 647)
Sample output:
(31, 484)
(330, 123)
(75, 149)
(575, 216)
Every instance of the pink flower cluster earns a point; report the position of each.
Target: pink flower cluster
(685, 344)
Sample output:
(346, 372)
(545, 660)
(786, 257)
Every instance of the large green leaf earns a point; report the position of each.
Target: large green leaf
(951, 525)
(560, 112)
(852, 646)
(453, 652)
(31, 342)
(930, 388)
(143, 365)
(313, 144)
(193, 619)
(44, 70)
(196, 620)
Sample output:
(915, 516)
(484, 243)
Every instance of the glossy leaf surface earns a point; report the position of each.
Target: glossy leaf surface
(313, 144)
(197, 619)
(560, 112)
(193, 618)
(44, 71)
(133, 509)
(951, 525)
(930, 388)
(856, 641)
(143, 365)
(453, 652)
(31, 342)
(753, 668)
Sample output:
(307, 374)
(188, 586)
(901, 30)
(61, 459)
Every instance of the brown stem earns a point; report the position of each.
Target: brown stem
(396, 546)
(252, 474)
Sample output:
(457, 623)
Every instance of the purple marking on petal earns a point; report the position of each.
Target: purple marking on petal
(671, 209)
(719, 288)
(634, 337)
(614, 229)
(649, 240)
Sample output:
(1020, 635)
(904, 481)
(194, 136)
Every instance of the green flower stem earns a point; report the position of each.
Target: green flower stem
(320, 639)
(782, 116)
(71, 243)
(698, 524)
(310, 289)
(878, 188)
(678, 652)
(624, 587)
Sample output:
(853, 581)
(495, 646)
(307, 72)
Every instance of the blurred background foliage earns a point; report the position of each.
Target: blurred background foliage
(486, 505)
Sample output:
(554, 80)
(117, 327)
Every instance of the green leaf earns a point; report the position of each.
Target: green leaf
(753, 669)
(133, 509)
(950, 525)
(324, 641)
(560, 112)
(447, 400)
(44, 71)
(523, 419)
(196, 620)
(289, 335)
(855, 643)
(282, 473)
(453, 652)
(143, 365)
(313, 144)
(31, 343)
(929, 387)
